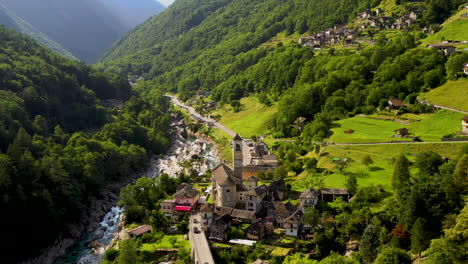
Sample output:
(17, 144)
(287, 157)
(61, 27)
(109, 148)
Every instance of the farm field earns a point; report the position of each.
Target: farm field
(253, 119)
(381, 171)
(452, 94)
(430, 128)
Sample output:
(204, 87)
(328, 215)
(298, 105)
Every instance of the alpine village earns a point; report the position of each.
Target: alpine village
(234, 131)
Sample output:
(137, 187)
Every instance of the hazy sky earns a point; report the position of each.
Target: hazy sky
(166, 2)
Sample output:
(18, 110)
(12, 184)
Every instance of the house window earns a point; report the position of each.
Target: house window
(228, 190)
(240, 198)
(251, 197)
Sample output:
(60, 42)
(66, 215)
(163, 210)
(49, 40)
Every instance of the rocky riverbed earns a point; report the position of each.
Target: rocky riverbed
(87, 240)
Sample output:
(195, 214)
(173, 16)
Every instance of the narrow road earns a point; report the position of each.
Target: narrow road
(390, 143)
(200, 247)
(199, 117)
(443, 107)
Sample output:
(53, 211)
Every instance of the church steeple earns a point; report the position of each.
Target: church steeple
(237, 155)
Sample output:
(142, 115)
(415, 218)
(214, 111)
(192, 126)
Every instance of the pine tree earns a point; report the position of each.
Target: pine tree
(401, 173)
(370, 243)
(419, 237)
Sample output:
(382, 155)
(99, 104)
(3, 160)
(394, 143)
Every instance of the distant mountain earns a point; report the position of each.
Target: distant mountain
(9, 19)
(85, 28)
(135, 12)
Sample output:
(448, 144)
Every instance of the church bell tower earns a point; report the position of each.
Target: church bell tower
(237, 156)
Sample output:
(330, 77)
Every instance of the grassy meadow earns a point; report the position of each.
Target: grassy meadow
(380, 172)
(165, 243)
(252, 119)
(455, 28)
(452, 94)
(430, 128)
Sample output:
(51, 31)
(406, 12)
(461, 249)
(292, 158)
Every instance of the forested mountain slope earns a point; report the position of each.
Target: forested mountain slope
(211, 34)
(9, 19)
(47, 174)
(87, 27)
(216, 46)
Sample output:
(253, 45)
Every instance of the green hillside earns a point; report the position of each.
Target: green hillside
(59, 146)
(452, 94)
(214, 33)
(455, 28)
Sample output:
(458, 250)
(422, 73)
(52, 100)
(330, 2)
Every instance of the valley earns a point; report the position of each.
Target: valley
(234, 131)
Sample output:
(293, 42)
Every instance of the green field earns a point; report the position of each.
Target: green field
(366, 130)
(166, 244)
(455, 28)
(442, 123)
(380, 172)
(253, 119)
(452, 94)
(431, 128)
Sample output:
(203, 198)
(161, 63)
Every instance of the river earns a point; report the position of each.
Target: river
(91, 246)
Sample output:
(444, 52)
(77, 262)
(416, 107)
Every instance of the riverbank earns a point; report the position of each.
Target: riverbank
(83, 242)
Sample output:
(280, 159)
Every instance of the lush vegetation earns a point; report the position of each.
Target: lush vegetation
(199, 45)
(58, 146)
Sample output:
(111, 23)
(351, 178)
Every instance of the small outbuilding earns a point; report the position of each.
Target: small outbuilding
(447, 49)
(401, 132)
(140, 231)
(465, 68)
(395, 103)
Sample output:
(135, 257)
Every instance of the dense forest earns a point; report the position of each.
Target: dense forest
(58, 146)
(216, 48)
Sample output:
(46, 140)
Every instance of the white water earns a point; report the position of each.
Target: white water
(181, 150)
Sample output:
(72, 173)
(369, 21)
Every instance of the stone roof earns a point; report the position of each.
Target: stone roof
(186, 192)
(207, 208)
(223, 175)
(237, 137)
(282, 208)
(309, 194)
(181, 186)
(465, 118)
(396, 102)
(241, 188)
(295, 218)
(222, 210)
(140, 230)
(243, 214)
(278, 185)
(261, 189)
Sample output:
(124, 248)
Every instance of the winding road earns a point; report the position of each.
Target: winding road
(199, 117)
(231, 133)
